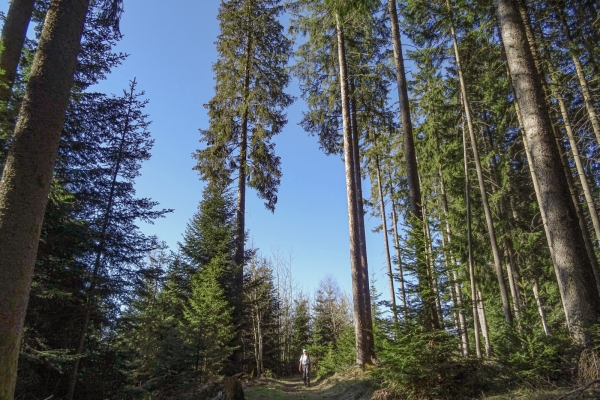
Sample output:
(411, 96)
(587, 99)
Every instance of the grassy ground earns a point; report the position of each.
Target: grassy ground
(348, 386)
(355, 385)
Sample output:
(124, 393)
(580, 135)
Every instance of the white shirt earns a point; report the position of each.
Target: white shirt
(304, 359)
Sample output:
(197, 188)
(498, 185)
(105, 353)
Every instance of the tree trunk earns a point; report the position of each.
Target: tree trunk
(386, 245)
(360, 218)
(412, 176)
(540, 306)
(432, 273)
(14, 33)
(470, 246)
(90, 294)
(462, 319)
(512, 269)
(28, 172)
(574, 272)
(589, 199)
(585, 89)
(484, 325)
(398, 252)
(362, 325)
(531, 39)
(240, 235)
(484, 199)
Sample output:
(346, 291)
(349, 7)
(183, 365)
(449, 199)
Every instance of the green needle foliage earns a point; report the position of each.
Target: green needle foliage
(248, 108)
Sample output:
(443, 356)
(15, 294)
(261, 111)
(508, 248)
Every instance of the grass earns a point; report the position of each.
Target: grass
(350, 385)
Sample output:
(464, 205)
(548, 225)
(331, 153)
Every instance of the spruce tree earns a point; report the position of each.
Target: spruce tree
(248, 110)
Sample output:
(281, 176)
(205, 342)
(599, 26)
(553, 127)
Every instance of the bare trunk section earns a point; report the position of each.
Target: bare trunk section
(360, 218)
(90, 295)
(398, 251)
(470, 245)
(362, 325)
(589, 199)
(531, 39)
(484, 325)
(430, 313)
(484, 199)
(540, 306)
(512, 268)
(462, 319)
(585, 89)
(386, 244)
(431, 271)
(13, 37)
(574, 272)
(28, 172)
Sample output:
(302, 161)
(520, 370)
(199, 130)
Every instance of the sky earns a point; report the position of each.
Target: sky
(171, 47)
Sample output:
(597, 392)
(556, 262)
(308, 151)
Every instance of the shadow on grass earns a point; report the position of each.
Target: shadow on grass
(347, 387)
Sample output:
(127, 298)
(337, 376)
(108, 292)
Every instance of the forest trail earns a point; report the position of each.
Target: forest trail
(292, 388)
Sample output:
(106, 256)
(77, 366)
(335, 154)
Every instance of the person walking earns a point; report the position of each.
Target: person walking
(304, 367)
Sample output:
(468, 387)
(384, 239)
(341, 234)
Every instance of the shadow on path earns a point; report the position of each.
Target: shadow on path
(292, 388)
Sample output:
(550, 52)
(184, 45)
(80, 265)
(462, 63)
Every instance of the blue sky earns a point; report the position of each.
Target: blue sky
(171, 47)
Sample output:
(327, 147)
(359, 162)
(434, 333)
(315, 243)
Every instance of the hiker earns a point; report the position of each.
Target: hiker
(304, 367)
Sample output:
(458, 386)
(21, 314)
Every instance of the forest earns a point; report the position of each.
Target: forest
(468, 130)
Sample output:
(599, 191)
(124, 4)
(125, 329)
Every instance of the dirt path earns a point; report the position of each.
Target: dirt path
(292, 388)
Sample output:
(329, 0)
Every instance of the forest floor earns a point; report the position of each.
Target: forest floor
(355, 385)
(344, 387)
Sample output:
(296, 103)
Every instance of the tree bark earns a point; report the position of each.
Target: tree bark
(531, 39)
(540, 306)
(412, 176)
(484, 325)
(462, 319)
(583, 83)
(574, 272)
(398, 253)
(432, 273)
(362, 325)
(484, 199)
(360, 218)
(28, 172)
(470, 246)
(13, 37)
(386, 244)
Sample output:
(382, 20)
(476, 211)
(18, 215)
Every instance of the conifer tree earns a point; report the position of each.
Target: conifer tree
(26, 178)
(248, 109)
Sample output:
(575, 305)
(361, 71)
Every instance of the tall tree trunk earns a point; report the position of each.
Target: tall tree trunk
(360, 218)
(484, 325)
(462, 319)
(531, 39)
(470, 245)
(13, 37)
(240, 233)
(574, 272)
(540, 306)
(484, 199)
(398, 251)
(90, 293)
(362, 325)
(386, 244)
(28, 172)
(412, 176)
(585, 89)
(432, 273)
(589, 199)
(512, 268)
